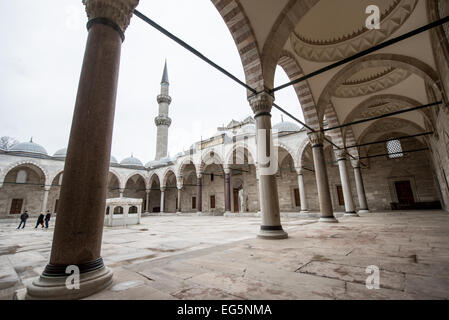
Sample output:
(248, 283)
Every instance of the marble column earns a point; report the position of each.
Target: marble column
(199, 193)
(122, 191)
(340, 155)
(302, 192)
(179, 199)
(45, 201)
(271, 227)
(147, 203)
(322, 180)
(360, 187)
(162, 205)
(227, 172)
(79, 227)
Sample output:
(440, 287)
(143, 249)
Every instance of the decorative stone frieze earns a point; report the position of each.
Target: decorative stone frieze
(118, 11)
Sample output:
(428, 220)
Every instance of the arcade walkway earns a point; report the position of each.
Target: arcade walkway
(220, 258)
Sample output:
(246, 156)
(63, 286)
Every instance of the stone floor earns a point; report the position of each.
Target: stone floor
(220, 258)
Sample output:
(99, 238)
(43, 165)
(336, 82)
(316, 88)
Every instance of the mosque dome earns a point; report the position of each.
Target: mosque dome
(131, 161)
(28, 147)
(286, 126)
(113, 160)
(61, 153)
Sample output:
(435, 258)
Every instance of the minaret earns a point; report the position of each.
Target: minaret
(162, 121)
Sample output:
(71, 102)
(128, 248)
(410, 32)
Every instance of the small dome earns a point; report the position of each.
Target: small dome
(113, 160)
(153, 164)
(28, 147)
(286, 126)
(61, 153)
(131, 161)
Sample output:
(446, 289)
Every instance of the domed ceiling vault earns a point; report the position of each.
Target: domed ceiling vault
(320, 32)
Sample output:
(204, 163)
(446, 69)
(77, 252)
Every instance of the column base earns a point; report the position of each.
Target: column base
(351, 214)
(54, 288)
(328, 220)
(364, 211)
(272, 233)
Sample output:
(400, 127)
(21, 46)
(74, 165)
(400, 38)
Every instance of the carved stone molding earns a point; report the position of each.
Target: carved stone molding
(355, 164)
(261, 103)
(338, 49)
(163, 98)
(340, 154)
(162, 121)
(316, 139)
(118, 11)
(378, 84)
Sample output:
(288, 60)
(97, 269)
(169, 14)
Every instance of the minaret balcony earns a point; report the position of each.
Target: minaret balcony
(162, 121)
(163, 98)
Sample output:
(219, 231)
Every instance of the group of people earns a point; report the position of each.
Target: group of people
(40, 220)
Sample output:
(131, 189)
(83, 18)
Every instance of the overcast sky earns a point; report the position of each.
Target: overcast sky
(43, 44)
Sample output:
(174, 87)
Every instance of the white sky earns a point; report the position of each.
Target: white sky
(42, 49)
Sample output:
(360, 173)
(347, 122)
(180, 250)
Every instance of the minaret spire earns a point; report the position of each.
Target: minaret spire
(163, 121)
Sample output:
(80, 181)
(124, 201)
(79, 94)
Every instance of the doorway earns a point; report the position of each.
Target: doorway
(404, 192)
(236, 200)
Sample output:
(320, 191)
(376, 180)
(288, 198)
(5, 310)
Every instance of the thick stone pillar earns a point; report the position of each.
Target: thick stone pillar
(302, 192)
(360, 187)
(322, 181)
(147, 203)
(346, 186)
(79, 227)
(199, 193)
(227, 172)
(162, 205)
(271, 227)
(45, 201)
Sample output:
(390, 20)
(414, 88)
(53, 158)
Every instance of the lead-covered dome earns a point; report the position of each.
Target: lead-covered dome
(61, 153)
(113, 160)
(131, 161)
(286, 126)
(28, 147)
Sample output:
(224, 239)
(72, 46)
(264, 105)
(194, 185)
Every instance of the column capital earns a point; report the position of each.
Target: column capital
(300, 171)
(261, 103)
(340, 154)
(226, 170)
(117, 11)
(355, 164)
(47, 188)
(179, 186)
(162, 189)
(147, 190)
(316, 139)
(199, 175)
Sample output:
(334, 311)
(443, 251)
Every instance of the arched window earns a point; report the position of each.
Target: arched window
(394, 149)
(118, 210)
(21, 176)
(132, 209)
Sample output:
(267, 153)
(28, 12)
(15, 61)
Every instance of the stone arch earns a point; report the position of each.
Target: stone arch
(210, 158)
(411, 64)
(154, 176)
(229, 156)
(294, 71)
(53, 177)
(241, 30)
(289, 150)
(132, 174)
(24, 163)
(119, 177)
(336, 135)
(388, 98)
(279, 34)
(166, 175)
(184, 163)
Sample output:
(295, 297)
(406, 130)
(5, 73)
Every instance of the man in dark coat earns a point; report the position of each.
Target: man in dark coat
(47, 218)
(40, 220)
(23, 219)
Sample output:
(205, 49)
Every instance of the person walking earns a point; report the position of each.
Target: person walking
(23, 219)
(47, 218)
(40, 220)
